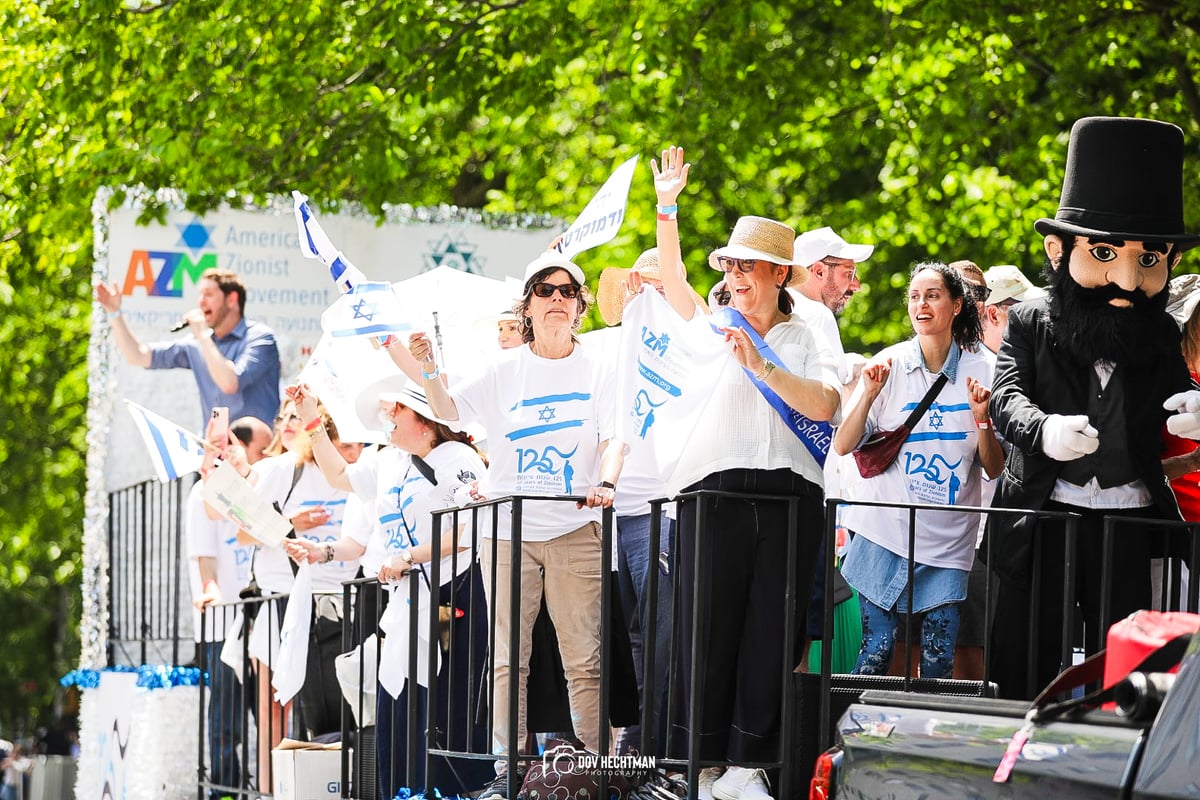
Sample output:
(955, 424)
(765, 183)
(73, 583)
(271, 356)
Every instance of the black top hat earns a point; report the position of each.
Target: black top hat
(1124, 180)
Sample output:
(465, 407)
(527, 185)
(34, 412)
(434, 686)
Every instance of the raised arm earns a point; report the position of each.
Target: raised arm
(439, 399)
(669, 181)
(136, 353)
(850, 432)
(327, 456)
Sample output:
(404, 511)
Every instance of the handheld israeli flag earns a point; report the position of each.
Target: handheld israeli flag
(315, 244)
(368, 309)
(174, 451)
(602, 217)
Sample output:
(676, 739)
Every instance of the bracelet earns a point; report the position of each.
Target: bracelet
(668, 213)
(766, 369)
(606, 485)
(984, 425)
(312, 426)
(328, 553)
(407, 557)
(114, 314)
(431, 376)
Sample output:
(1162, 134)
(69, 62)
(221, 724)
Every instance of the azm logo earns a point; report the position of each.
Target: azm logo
(162, 272)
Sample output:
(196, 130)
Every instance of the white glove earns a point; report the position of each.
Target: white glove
(1068, 438)
(1186, 422)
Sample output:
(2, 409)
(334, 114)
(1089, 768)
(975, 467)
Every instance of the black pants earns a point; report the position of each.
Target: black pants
(321, 696)
(1013, 640)
(741, 645)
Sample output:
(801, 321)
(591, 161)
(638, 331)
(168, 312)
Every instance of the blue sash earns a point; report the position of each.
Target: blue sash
(815, 436)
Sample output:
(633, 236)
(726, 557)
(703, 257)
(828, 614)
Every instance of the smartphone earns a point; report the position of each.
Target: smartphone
(220, 425)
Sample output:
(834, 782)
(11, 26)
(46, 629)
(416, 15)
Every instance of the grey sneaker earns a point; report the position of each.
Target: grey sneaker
(497, 789)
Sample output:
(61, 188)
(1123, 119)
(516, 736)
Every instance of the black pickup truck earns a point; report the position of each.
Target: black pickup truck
(895, 745)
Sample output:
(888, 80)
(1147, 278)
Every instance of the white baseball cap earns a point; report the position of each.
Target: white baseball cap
(553, 258)
(1006, 282)
(812, 246)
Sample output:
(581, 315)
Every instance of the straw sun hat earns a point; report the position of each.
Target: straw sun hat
(759, 238)
(611, 291)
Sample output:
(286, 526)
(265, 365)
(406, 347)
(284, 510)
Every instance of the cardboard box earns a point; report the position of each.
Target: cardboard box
(307, 771)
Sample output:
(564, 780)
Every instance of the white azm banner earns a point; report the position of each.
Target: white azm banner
(156, 267)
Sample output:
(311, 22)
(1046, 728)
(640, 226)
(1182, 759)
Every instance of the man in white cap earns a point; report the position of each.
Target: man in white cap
(1007, 286)
(832, 266)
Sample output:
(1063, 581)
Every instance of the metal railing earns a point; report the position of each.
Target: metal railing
(149, 616)
(151, 621)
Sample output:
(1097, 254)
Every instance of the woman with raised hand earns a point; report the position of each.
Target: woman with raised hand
(744, 445)
(547, 408)
(939, 463)
(418, 473)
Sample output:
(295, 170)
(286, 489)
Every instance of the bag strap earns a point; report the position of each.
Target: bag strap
(423, 467)
(926, 401)
(815, 436)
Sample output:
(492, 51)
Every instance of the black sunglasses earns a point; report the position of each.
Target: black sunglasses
(728, 264)
(569, 291)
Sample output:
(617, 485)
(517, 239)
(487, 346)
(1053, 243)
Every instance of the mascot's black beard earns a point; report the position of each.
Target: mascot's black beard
(1089, 329)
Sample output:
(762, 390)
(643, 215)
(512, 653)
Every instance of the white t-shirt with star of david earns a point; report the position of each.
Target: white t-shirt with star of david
(938, 464)
(545, 419)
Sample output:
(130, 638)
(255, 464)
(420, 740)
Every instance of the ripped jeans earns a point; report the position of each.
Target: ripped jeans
(939, 631)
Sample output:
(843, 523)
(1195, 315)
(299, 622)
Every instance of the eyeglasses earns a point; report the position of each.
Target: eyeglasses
(287, 419)
(727, 264)
(569, 291)
(981, 293)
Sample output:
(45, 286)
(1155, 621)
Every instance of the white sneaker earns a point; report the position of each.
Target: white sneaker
(708, 776)
(739, 783)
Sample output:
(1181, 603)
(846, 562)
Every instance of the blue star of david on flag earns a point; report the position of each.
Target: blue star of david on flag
(546, 414)
(364, 310)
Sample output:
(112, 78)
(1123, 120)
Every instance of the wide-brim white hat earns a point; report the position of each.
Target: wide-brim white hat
(392, 389)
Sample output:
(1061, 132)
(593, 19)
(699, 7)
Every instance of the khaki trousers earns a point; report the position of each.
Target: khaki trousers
(567, 569)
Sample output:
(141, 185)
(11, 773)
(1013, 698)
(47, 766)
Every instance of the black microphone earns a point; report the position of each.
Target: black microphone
(180, 326)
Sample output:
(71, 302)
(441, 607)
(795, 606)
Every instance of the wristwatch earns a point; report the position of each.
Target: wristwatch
(407, 557)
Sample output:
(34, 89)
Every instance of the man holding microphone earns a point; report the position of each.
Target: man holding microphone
(235, 362)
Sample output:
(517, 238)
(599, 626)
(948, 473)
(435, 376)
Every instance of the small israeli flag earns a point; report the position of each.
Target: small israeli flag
(314, 243)
(174, 451)
(369, 309)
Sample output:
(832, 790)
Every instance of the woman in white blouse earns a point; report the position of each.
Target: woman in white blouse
(744, 445)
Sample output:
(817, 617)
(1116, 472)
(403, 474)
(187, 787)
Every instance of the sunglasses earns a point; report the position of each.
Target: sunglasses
(569, 291)
(727, 264)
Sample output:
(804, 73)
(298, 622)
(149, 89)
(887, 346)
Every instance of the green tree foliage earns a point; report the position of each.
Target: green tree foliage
(934, 129)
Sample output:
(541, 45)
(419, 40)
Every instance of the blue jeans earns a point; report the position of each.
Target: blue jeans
(227, 711)
(939, 631)
(633, 569)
